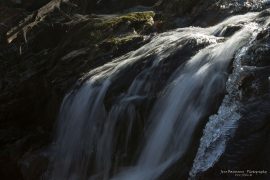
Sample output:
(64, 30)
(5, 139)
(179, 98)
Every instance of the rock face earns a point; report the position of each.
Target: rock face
(42, 58)
(110, 6)
(46, 47)
(29, 5)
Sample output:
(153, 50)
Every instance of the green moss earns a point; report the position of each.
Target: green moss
(99, 29)
(136, 17)
(113, 31)
(120, 41)
(139, 17)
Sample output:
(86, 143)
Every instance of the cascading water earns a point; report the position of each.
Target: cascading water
(96, 137)
(221, 126)
(83, 112)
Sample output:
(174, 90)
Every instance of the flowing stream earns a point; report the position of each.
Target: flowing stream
(108, 131)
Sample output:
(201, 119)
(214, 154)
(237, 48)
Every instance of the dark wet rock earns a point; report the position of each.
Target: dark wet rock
(40, 60)
(9, 168)
(12, 152)
(230, 30)
(177, 7)
(111, 6)
(9, 17)
(29, 5)
(33, 164)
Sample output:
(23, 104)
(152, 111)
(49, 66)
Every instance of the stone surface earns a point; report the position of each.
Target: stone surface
(41, 59)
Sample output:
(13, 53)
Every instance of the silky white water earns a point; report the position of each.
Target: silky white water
(177, 113)
(221, 126)
(89, 134)
(85, 128)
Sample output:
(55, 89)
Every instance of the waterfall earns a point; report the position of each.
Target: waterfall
(221, 125)
(97, 135)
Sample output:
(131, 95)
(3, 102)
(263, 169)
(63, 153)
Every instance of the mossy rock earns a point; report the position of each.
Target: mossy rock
(138, 21)
(113, 29)
(121, 41)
